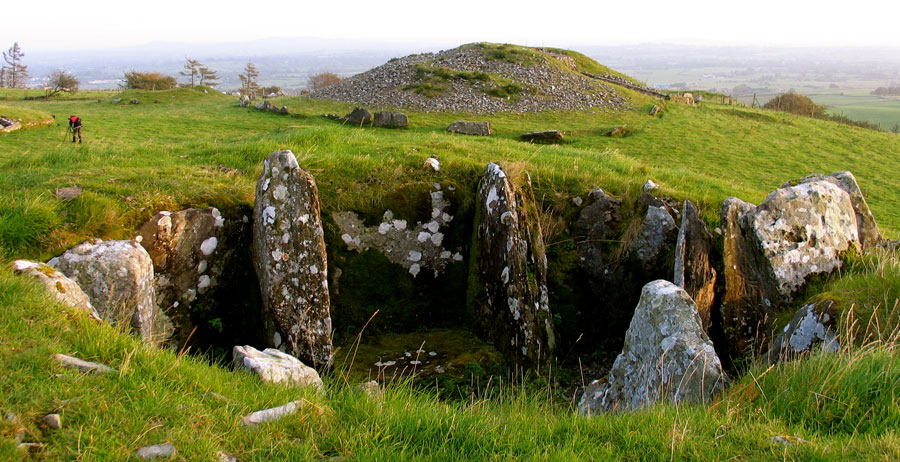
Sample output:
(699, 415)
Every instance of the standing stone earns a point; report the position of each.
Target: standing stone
(359, 116)
(202, 267)
(694, 270)
(865, 221)
(471, 128)
(595, 225)
(513, 271)
(57, 284)
(391, 119)
(667, 357)
(656, 237)
(813, 327)
(772, 249)
(290, 261)
(275, 366)
(118, 278)
(245, 101)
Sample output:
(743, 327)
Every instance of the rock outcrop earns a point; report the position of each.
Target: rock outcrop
(667, 357)
(201, 262)
(471, 128)
(694, 256)
(512, 267)
(813, 327)
(772, 249)
(275, 366)
(269, 107)
(118, 278)
(57, 284)
(391, 120)
(289, 256)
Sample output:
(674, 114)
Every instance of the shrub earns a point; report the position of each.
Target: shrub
(796, 104)
(322, 80)
(149, 81)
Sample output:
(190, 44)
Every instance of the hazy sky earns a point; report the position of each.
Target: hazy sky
(88, 24)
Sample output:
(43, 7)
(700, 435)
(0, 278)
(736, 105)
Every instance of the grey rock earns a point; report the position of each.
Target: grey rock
(118, 278)
(290, 261)
(812, 328)
(223, 456)
(869, 236)
(30, 447)
(156, 451)
(547, 136)
(667, 357)
(512, 267)
(116, 100)
(471, 128)
(617, 131)
(391, 119)
(244, 101)
(272, 414)
(432, 163)
(649, 186)
(200, 260)
(595, 225)
(57, 284)
(359, 116)
(656, 237)
(275, 366)
(654, 111)
(695, 253)
(53, 421)
(134, 101)
(82, 365)
(68, 193)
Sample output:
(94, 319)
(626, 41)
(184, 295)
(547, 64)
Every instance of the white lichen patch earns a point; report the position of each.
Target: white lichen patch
(269, 215)
(280, 192)
(208, 246)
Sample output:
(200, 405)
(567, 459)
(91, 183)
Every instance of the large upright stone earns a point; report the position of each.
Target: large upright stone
(57, 284)
(202, 269)
(865, 221)
(595, 225)
(667, 357)
(470, 128)
(118, 278)
(656, 237)
(391, 120)
(290, 261)
(512, 266)
(693, 263)
(813, 327)
(772, 249)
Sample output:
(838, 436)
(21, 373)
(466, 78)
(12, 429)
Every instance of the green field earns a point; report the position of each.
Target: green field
(187, 147)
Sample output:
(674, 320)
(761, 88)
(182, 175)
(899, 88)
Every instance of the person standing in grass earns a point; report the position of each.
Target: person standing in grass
(75, 125)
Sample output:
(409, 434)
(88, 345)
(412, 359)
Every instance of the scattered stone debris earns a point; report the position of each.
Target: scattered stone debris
(52, 420)
(269, 107)
(156, 451)
(787, 440)
(471, 128)
(82, 365)
(547, 136)
(134, 101)
(7, 124)
(275, 366)
(68, 193)
(391, 120)
(649, 186)
(272, 414)
(432, 163)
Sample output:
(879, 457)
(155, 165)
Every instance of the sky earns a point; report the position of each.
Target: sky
(54, 25)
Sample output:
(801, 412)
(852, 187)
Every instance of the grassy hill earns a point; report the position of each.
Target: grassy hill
(188, 148)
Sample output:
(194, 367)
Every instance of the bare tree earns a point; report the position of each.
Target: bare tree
(191, 69)
(16, 72)
(59, 81)
(322, 80)
(249, 80)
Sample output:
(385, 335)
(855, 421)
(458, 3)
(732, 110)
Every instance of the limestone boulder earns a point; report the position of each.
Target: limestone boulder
(118, 278)
(359, 116)
(244, 101)
(546, 136)
(57, 284)
(869, 236)
(202, 268)
(471, 128)
(772, 249)
(657, 236)
(694, 256)
(275, 366)
(595, 226)
(667, 357)
(391, 120)
(290, 260)
(515, 309)
(812, 328)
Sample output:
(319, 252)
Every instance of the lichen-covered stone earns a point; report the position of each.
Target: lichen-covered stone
(865, 221)
(289, 256)
(813, 327)
(359, 116)
(656, 237)
(513, 272)
(57, 284)
(391, 120)
(694, 262)
(275, 366)
(202, 268)
(667, 357)
(470, 128)
(772, 249)
(595, 225)
(118, 278)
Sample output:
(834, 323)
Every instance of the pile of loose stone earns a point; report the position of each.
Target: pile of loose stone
(544, 85)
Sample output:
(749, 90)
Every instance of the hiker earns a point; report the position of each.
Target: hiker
(75, 125)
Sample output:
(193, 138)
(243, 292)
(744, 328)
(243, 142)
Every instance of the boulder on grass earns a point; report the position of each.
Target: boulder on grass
(667, 357)
(57, 284)
(547, 136)
(471, 128)
(391, 120)
(359, 116)
(275, 366)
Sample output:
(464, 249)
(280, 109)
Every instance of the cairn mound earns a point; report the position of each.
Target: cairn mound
(481, 78)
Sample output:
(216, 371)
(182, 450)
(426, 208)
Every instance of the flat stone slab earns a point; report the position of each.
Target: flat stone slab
(156, 451)
(272, 414)
(275, 366)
